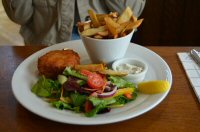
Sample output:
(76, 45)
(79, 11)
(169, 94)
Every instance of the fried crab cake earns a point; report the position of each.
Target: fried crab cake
(54, 62)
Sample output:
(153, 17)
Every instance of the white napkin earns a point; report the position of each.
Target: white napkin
(192, 70)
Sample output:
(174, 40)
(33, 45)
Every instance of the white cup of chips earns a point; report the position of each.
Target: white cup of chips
(106, 50)
(107, 36)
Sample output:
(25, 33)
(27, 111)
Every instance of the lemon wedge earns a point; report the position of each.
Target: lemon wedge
(154, 87)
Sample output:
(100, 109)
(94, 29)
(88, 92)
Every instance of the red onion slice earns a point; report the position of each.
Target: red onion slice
(108, 94)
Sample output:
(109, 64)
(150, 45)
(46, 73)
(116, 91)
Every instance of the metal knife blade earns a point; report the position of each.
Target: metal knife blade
(195, 55)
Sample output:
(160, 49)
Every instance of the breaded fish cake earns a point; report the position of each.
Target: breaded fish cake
(54, 62)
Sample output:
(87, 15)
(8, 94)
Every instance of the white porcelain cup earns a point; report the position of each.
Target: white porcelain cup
(106, 50)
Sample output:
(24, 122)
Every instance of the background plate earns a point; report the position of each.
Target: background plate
(27, 74)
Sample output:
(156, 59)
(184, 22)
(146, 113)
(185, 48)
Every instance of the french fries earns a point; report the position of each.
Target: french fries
(100, 68)
(90, 67)
(109, 26)
(93, 31)
(131, 25)
(103, 33)
(126, 16)
(113, 73)
(93, 18)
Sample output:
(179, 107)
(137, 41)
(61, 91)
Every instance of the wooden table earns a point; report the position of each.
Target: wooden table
(180, 110)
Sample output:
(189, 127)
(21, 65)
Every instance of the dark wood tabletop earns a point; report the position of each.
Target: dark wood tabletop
(179, 111)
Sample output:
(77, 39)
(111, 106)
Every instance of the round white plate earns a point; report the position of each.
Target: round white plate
(26, 75)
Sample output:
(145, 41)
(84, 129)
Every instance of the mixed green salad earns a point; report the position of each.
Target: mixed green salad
(85, 91)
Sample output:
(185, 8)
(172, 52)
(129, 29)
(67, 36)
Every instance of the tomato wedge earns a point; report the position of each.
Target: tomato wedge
(88, 106)
(95, 81)
(85, 72)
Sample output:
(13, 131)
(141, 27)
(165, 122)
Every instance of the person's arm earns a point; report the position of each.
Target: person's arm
(19, 11)
(119, 5)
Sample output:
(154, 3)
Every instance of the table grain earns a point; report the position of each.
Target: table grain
(179, 111)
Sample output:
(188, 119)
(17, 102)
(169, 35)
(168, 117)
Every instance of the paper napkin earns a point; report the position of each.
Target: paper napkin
(192, 70)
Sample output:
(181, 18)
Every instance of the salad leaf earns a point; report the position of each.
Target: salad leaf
(94, 111)
(81, 82)
(62, 79)
(78, 99)
(96, 101)
(61, 105)
(74, 84)
(69, 72)
(99, 104)
(46, 87)
(121, 100)
(120, 82)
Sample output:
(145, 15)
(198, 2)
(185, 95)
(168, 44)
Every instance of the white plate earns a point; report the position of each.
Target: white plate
(26, 75)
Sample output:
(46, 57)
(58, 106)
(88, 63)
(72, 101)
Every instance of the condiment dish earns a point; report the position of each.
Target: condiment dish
(136, 64)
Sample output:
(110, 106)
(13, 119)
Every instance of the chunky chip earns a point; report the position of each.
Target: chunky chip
(93, 31)
(126, 16)
(103, 33)
(93, 18)
(109, 26)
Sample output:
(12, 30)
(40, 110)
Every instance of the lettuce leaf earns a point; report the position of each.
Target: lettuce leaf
(121, 99)
(61, 105)
(46, 87)
(78, 99)
(120, 82)
(69, 72)
(99, 104)
(96, 101)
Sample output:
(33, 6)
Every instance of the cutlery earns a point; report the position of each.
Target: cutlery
(195, 55)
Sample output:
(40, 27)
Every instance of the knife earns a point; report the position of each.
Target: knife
(195, 55)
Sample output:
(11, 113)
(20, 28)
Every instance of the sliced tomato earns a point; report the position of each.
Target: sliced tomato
(96, 81)
(88, 106)
(85, 72)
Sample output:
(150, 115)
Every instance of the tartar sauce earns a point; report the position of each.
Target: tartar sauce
(131, 69)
